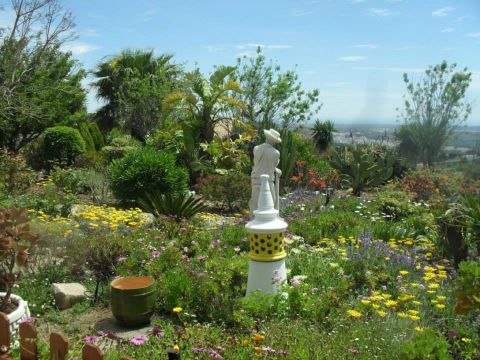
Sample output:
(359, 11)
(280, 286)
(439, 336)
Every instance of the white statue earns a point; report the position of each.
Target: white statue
(265, 161)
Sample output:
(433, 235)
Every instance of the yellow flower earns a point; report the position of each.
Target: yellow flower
(441, 298)
(354, 313)
(258, 337)
(402, 315)
(177, 309)
(381, 313)
(416, 302)
(440, 306)
(390, 303)
(419, 329)
(245, 342)
(333, 265)
(403, 272)
(176, 348)
(365, 302)
(414, 285)
(376, 306)
(466, 340)
(413, 312)
(433, 286)
(414, 317)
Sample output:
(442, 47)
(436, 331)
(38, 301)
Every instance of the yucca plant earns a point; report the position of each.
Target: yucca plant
(15, 241)
(322, 133)
(182, 206)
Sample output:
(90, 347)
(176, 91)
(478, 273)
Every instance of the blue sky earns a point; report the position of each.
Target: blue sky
(354, 51)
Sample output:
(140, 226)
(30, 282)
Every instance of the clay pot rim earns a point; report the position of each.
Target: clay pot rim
(115, 282)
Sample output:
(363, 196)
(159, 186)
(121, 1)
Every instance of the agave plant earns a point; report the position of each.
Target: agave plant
(361, 168)
(15, 241)
(179, 205)
(322, 133)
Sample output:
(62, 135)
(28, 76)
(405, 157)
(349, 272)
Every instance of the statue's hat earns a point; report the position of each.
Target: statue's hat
(273, 135)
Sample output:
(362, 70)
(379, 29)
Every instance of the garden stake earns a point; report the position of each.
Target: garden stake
(28, 341)
(266, 235)
(58, 346)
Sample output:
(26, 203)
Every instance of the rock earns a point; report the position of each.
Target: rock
(68, 294)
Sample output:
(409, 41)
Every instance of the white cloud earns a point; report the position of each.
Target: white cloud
(380, 12)
(213, 48)
(90, 32)
(448, 30)
(263, 46)
(79, 48)
(367, 46)
(473, 35)
(443, 11)
(352, 58)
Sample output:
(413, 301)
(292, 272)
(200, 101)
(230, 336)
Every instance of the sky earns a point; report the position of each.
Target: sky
(353, 51)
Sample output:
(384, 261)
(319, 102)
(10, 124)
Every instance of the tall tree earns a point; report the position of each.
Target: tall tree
(433, 108)
(133, 86)
(273, 98)
(204, 103)
(39, 84)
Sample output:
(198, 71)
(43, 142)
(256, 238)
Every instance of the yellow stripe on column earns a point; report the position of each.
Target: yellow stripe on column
(267, 247)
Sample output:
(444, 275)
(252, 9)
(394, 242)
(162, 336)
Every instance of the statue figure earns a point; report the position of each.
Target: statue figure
(265, 161)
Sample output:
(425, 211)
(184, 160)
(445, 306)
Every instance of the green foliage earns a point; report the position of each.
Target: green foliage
(434, 107)
(396, 204)
(97, 135)
(15, 174)
(145, 170)
(322, 133)
(118, 145)
(289, 153)
(63, 144)
(362, 167)
(468, 287)
(272, 97)
(46, 92)
(471, 205)
(87, 137)
(427, 345)
(134, 85)
(227, 155)
(231, 191)
(70, 180)
(204, 103)
(182, 206)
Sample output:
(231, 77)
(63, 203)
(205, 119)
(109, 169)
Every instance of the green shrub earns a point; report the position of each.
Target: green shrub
(145, 170)
(96, 135)
(231, 191)
(118, 145)
(87, 137)
(427, 345)
(62, 144)
(70, 180)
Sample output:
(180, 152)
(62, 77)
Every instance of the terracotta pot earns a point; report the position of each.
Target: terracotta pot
(21, 313)
(133, 300)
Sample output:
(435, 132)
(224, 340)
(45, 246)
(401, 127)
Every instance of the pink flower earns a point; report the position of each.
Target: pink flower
(90, 339)
(201, 274)
(122, 258)
(28, 320)
(157, 331)
(155, 253)
(138, 340)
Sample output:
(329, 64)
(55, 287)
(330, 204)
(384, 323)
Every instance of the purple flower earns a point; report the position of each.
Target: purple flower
(90, 339)
(214, 355)
(354, 351)
(157, 331)
(155, 253)
(452, 332)
(197, 350)
(139, 340)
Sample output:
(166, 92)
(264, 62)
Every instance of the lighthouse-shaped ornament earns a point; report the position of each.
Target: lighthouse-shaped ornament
(266, 237)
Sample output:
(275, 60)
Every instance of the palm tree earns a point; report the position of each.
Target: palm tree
(113, 74)
(323, 134)
(203, 103)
